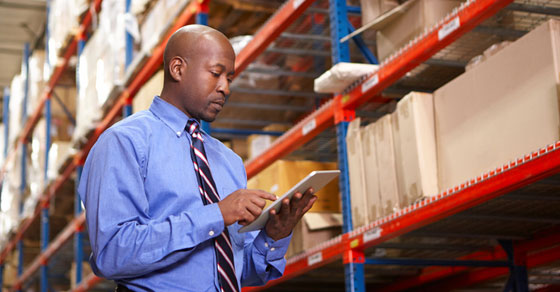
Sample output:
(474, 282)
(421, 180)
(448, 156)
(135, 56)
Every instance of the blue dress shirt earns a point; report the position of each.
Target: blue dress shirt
(147, 225)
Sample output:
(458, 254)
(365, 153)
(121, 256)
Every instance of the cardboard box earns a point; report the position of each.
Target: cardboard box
(421, 14)
(373, 202)
(371, 9)
(388, 187)
(282, 175)
(146, 94)
(260, 143)
(500, 110)
(415, 147)
(314, 229)
(356, 172)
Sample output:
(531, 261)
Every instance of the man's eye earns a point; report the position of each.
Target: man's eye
(229, 80)
(215, 74)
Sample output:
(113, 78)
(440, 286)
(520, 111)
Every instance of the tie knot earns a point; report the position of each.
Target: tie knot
(192, 127)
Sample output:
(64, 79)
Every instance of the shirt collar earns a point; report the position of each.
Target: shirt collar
(171, 116)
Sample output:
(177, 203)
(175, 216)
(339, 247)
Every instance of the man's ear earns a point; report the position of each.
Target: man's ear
(177, 67)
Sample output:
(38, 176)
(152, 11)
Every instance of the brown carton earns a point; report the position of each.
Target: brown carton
(356, 172)
(282, 175)
(500, 110)
(420, 15)
(415, 147)
(388, 187)
(314, 229)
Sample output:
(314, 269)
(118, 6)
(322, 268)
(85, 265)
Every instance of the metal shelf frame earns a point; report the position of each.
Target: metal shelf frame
(339, 111)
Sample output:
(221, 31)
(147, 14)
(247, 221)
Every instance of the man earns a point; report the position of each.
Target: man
(165, 200)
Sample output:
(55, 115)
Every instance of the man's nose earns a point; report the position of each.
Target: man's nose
(223, 86)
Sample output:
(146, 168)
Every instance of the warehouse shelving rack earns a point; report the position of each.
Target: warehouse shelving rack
(339, 111)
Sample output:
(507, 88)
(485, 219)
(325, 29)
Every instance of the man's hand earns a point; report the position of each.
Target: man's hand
(280, 224)
(244, 206)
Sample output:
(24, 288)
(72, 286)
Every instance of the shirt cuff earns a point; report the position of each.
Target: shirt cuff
(210, 223)
(272, 249)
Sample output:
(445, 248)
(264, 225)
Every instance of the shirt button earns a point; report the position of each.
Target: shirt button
(178, 133)
(266, 244)
(272, 249)
(211, 233)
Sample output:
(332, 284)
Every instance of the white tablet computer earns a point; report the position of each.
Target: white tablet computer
(316, 180)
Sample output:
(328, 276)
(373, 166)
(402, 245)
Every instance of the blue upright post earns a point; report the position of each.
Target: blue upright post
(78, 242)
(6, 119)
(339, 28)
(518, 280)
(353, 268)
(1, 275)
(45, 205)
(25, 74)
(45, 228)
(129, 50)
(344, 181)
(202, 18)
(78, 237)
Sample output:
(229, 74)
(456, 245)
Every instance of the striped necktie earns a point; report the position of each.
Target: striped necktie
(209, 195)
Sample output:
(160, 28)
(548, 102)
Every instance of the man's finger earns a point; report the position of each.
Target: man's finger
(265, 195)
(309, 204)
(258, 201)
(284, 208)
(254, 210)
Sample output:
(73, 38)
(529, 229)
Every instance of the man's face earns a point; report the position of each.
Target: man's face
(208, 76)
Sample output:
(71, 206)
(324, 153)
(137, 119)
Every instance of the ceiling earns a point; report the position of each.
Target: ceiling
(21, 21)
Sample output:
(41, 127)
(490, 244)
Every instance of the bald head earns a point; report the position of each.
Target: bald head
(191, 42)
(198, 68)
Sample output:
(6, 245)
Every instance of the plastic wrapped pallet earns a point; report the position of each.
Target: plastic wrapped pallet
(356, 172)
(415, 147)
(502, 109)
(37, 80)
(101, 67)
(158, 21)
(16, 109)
(421, 15)
(341, 76)
(63, 22)
(282, 175)
(9, 211)
(385, 151)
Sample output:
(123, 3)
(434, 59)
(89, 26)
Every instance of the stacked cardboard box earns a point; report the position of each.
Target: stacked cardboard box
(282, 175)
(144, 97)
(392, 162)
(357, 174)
(421, 15)
(415, 147)
(504, 108)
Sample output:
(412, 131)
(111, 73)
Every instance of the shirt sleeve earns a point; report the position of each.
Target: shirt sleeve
(125, 241)
(264, 258)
